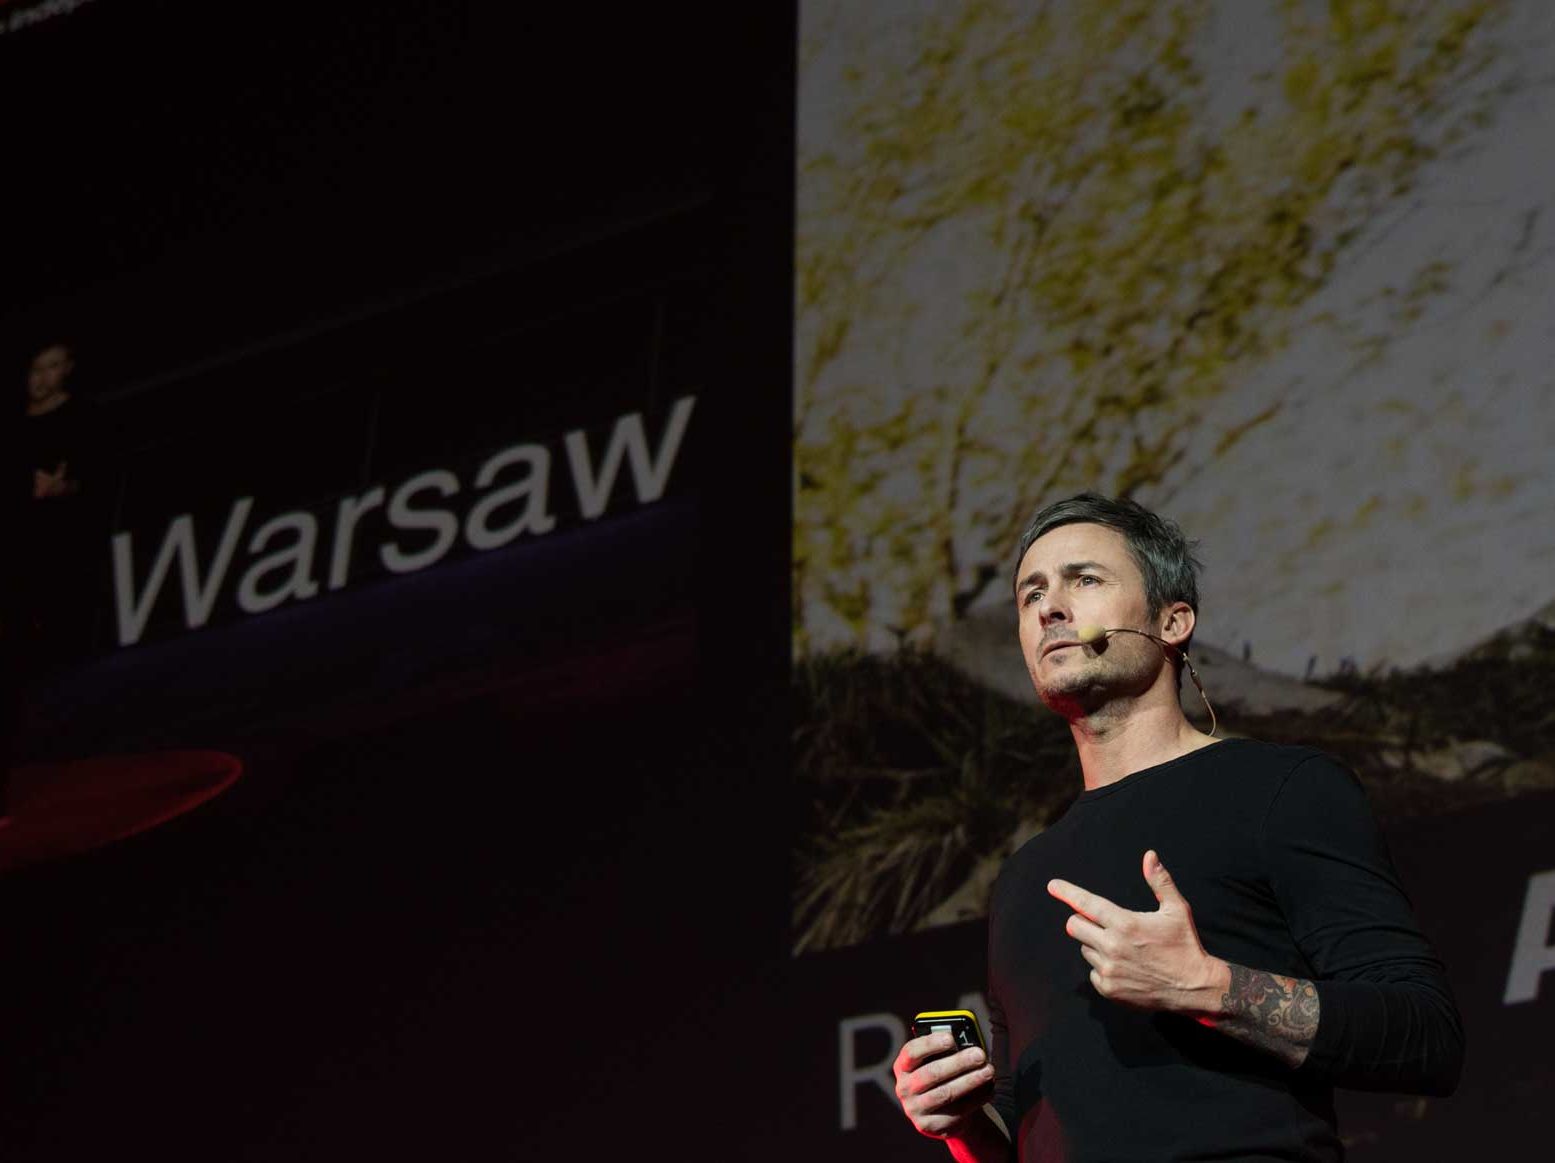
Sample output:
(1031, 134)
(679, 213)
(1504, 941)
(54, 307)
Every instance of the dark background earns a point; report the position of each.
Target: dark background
(534, 912)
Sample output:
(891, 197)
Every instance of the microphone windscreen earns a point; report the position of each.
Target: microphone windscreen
(1091, 633)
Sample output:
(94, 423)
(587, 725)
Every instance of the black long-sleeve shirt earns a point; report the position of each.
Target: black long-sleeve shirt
(1277, 852)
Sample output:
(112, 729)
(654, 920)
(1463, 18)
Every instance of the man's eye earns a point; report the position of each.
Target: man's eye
(1032, 596)
(1086, 577)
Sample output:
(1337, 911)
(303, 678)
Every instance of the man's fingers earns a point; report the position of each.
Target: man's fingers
(958, 1081)
(937, 1110)
(932, 1077)
(1084, 931)
(956, 1096)
(1097, 908)
(973, 1100)
(916, 1051)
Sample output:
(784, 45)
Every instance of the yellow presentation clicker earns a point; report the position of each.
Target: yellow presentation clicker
(961, 1024)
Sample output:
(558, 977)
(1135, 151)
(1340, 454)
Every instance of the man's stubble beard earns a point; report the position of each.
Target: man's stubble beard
(1075, 691)
(1083, 690)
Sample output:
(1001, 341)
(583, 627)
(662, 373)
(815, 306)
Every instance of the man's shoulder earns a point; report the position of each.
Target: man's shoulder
(1292, 778)
(1242, 767)
(1278, 759)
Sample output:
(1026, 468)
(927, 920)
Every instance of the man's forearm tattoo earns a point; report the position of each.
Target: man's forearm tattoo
(1274, 1013)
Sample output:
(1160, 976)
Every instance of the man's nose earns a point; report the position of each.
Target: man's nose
(1049, 610)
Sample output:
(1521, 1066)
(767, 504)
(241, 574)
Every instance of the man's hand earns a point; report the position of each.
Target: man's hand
(51, 484)
(938, 1094)
(1153, 961)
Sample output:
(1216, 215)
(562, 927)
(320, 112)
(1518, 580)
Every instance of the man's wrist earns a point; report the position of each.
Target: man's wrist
(981, 1138)
(1206, 1002)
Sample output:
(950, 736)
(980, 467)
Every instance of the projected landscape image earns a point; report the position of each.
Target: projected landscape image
(1278, 271)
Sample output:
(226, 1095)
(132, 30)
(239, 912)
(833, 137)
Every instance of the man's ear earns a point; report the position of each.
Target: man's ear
(1177, 623)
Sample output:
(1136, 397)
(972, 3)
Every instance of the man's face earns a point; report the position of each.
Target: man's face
(48, 373)
(1076, 576)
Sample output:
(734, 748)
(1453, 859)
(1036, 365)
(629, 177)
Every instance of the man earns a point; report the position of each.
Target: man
(59, 509)
(1210, 939)
(52, 421)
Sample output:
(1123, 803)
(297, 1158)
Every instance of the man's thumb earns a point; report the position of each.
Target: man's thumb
(1159, 879)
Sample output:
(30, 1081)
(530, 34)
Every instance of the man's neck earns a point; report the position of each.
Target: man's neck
(1118, 740)
(47, 403)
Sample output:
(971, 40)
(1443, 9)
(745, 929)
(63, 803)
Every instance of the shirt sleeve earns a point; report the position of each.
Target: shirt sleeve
(1004, 1067)
(1387, 1019)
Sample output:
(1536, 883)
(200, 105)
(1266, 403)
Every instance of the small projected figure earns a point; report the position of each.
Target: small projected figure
(60, 457)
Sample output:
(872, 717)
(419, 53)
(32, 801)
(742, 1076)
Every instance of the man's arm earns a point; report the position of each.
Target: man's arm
(1268, 1011)
(1389, 1020)
(1379, 1014)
